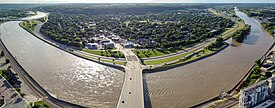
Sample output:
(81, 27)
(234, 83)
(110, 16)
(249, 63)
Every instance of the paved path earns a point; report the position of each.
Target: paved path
(132, 91)
(11, 97)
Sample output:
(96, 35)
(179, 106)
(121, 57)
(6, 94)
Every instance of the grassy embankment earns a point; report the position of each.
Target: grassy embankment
(255, 77)
(106, 53)
(225, 35)
(147, 53)
(39, 104)
(184, 58)
(29, 26)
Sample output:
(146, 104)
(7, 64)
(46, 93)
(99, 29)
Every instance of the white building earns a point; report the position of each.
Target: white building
(128, 45)
(92, 46)
(256, 94)
(271, 82)
(108, 45)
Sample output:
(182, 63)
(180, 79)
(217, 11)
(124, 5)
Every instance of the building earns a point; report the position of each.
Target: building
(254, 95)
(128, 45)
(108, 45)
(105, 41)
(92, 46)
(115, 39)
(271, 58)
(271, 82)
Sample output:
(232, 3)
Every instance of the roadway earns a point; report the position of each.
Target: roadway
(132, 91)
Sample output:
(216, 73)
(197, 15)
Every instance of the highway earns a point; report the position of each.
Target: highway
(132, 91)
(33, 86)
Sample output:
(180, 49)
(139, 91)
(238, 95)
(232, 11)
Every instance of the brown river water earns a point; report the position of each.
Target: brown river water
(63, 75)
(191, 84)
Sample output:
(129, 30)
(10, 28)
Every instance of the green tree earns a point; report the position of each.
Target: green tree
(7, 61)
(257, 69)
(2, 53)
(258, 62)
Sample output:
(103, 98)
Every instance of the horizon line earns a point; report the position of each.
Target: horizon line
(134, 3)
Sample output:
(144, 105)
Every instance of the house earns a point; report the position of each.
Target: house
(128, 45)
(91, 46)
(270, 60)
(267, 66)
(105, 41)
(115, 39)
(108, 45)
(97, 39)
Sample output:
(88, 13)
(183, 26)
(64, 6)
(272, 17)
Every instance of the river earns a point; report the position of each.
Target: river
(63, 75)
(37, 16)
(202, 80)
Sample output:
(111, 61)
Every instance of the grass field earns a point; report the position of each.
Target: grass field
(169, 59)
(183, 58)
(40, 104)
(29, 24)
(238, 25)
(106, 53)
(4, 75)
(147, 53)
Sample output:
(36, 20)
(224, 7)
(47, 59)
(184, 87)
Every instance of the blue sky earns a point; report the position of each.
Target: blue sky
(137, 1)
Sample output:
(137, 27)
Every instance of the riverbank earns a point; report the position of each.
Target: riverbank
(197, 82)
(62, 74)
(115, 64)
(175, 59)
(38, 90)
(189, 58)
(234, 92)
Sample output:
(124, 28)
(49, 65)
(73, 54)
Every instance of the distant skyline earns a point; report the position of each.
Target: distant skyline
(137, 1)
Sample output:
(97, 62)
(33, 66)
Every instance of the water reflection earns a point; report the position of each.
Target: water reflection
(199, 81)
(63, 75)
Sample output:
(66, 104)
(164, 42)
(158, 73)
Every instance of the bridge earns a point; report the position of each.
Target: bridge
(132, 91)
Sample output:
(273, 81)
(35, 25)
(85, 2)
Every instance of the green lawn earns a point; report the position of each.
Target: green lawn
(147, 53)
(4, 75)
(200, 54)
(227, 34)
(106, 53)
(251, 80)
(169, 59)
(29, 24)
(40, 104)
